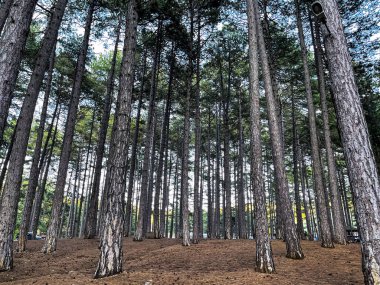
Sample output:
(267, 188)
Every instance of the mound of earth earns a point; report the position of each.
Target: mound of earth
(166, 262)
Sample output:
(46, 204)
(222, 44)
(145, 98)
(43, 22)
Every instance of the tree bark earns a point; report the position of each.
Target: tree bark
(240, 184)
(4, 12)
(148, 142)
(339, 233)
(92, 211)
(293, 246)
(132, 166)
(111, 251)
(295, 172)
(357, 148)
(326, 235)
(163, 147)
(12, 44)
(264, 259)
(34, 169)
(24, 123)
(44, 165)
(52, 233)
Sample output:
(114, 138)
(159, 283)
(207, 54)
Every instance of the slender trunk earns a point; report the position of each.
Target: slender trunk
(216, 232)
(357, 148)
(148, 212)
(74, 195)
(165, 192)
(226, 162)
(293, 245)
(24, 123)
(111, 246)
(4, 12)
(148, 141)
(295, 172)
(310, 233)
(323, 218)
(240, 185)
(52, 233)
(132, 166)
(339, 232)
(12, 44)
(264, 259)
(159, 229)
(37, 204)
(198, 134)
(210, 201)
(92, 212)
(34, 169)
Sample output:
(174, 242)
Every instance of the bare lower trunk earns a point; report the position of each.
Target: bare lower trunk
(326, 235)
(240, 172)
(34, 169)
(111, 251)
(24, 123)
(361, 164)
(293, 245)
(264, 259)
(132, 166)
(52, 233)
(37, 204)
(339, 233)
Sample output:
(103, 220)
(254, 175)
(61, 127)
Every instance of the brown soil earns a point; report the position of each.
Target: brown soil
(167, 262)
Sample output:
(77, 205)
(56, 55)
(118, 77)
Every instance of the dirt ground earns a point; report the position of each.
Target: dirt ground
(166, 262)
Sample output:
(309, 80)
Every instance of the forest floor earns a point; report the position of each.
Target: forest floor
(166, 262)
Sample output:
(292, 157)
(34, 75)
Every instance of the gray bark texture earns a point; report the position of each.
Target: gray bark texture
(12, 43)
(111, 252)
(4, 12)
(339, 232)
(293, 246)
(92, 210)
(357, 148)
(24, 123)
(264, 259)
(323, 218)
(52, 233)
(148, 142)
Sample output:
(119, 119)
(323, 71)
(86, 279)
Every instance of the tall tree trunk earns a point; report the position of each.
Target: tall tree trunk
(111, 246)
(37, 204)
(147, 225)
(132, 166)
(310, 233)
(4, 12)
(217, 178)
(24, 123)
(357, 148)
(339, 233)
(295, 172)
(52, 233)
(12, 44)
(210, 201)
(293, 246)
(74, 195)
(148, 141)
(264, 259)
(34, 169)
(162, 152)
(240, 185)
(226, 162)
(323, 218)
(165, 192)
(198, 134)
(92, 211)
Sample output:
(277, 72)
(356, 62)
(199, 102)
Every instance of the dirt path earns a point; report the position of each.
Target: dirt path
(167, 262)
